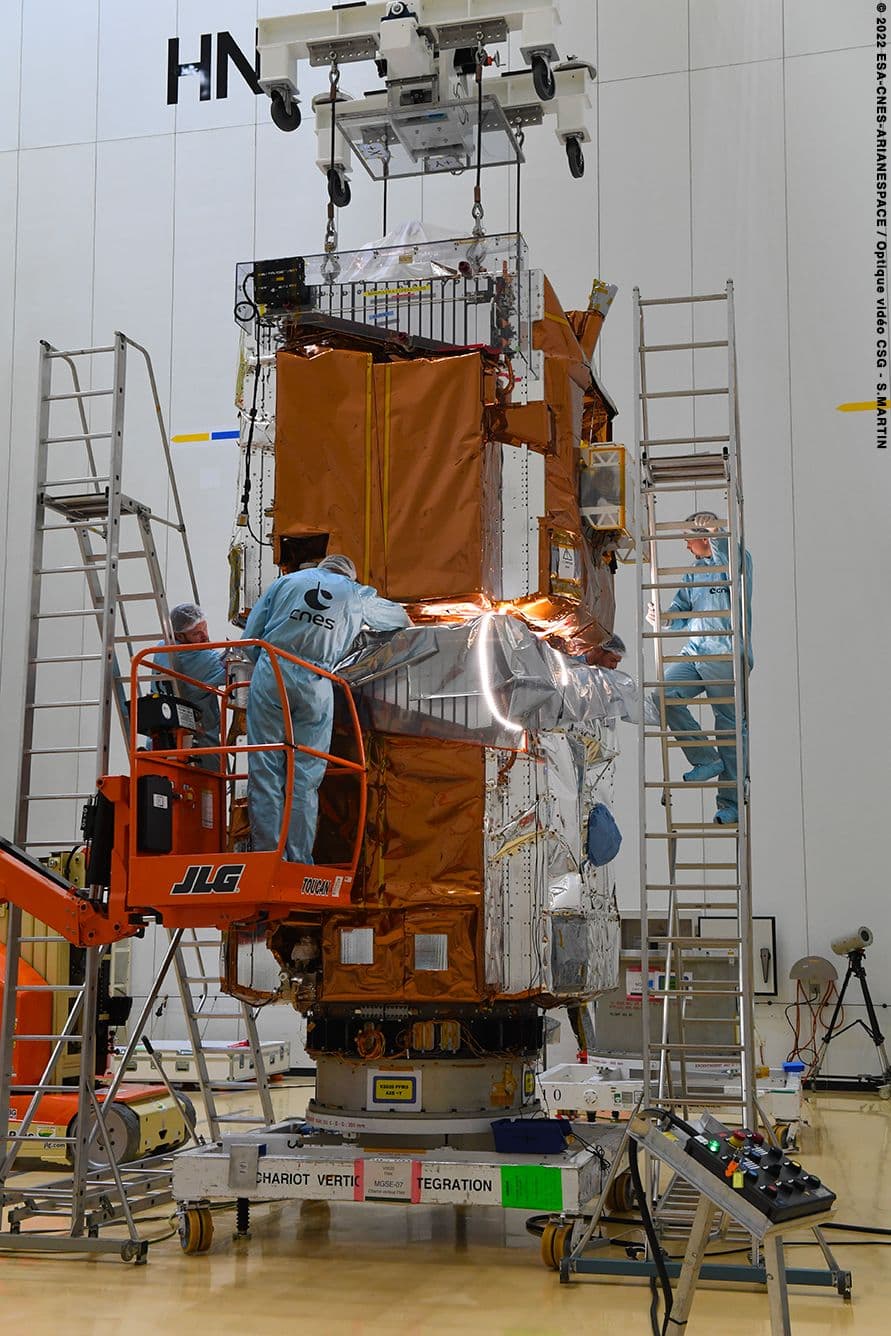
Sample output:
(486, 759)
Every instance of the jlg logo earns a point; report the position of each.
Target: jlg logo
(197, 880)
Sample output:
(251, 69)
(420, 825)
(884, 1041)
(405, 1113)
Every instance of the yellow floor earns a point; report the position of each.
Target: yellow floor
(404, 1271)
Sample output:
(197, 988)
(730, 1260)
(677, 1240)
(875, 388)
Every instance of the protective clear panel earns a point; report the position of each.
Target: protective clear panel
(419, 140)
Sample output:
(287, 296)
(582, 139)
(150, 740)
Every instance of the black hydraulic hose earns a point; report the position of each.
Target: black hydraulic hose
(650, 1231)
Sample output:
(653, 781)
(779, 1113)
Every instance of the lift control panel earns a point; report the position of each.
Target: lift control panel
(775, 1185)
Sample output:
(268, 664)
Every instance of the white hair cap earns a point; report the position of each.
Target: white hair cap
(338, 564)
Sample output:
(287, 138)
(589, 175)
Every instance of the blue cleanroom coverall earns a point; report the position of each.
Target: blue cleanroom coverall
(207, 665)
(315, 614)
(702, 593)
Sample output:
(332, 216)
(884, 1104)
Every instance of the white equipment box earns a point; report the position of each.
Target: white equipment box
(614, 1085)
(226, 1061)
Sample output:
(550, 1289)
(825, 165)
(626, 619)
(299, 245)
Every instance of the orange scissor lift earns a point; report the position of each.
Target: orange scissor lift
(194, 882)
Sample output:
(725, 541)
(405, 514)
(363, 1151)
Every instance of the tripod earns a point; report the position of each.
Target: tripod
(881, 1084)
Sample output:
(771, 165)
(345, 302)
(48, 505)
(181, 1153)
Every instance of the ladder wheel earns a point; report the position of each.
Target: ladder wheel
(196, 1230)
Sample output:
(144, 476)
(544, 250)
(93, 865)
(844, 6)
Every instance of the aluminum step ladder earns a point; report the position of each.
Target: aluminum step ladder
(698, 1028)
(198, 990)
(87, 532)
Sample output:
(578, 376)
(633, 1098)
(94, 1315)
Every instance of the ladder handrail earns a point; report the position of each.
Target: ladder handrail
(180, 524)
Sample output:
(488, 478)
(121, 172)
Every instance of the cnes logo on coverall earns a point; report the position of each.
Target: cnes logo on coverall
(318, 599)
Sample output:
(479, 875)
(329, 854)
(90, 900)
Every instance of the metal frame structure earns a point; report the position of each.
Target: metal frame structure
(720, 875)
(89, 504)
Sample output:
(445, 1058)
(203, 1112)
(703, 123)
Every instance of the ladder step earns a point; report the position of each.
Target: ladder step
(77, 394)
(50, 988)
(138, 598)
(683, 465)
(682, 347)
(728, 631)
(733, 1050)
(682, 301)
(90, 480)
(58, 751)
(690, 886)
(688, 734)
(49, 353)
(68, 658)
(215, 1015)
(80, 436)
(688, 570)
(138, 640)
(59, 704)
(695, 941)
(702, 832)
(705, 867)
(71, 612)
(241, 1118)
(690, 784)
(64, 570)
(675, 530)
(650, 441)
(682, 394)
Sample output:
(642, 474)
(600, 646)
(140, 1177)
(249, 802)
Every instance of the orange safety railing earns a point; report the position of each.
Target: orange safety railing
(141, 759)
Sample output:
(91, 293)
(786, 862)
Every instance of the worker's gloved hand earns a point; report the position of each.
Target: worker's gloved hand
(651, 613)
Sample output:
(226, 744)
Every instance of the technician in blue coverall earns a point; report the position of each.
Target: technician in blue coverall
(189, 626)
(701, 596)
(315, 614)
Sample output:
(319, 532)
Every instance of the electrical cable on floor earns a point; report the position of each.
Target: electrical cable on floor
(653, 1241)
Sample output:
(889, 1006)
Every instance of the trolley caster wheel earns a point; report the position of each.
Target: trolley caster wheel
(575, 157)
(286, 115)
(785, 1136)
(843, 1284)
(196, 1230)
(555, 1243)
(620, 1200)
(131, 1251)
(543, 78)
(339, 191)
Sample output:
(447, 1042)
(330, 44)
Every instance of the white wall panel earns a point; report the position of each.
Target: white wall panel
(54, 286)
(133, 68)
(644, 189)
(213, 231)
(133, 292)
(646, 37)
(827, 25)
(725, 32)
(58, 67)
(9, 163)
(240, 106)
(843, 538)
(739, 231)
(10, 60)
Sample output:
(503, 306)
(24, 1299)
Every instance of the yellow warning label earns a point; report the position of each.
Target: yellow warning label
(394, 1089)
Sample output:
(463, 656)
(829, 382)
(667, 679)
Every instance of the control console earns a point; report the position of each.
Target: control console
(775, 1185)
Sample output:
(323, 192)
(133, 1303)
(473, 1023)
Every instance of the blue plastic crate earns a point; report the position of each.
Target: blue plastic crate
(530, 1136)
